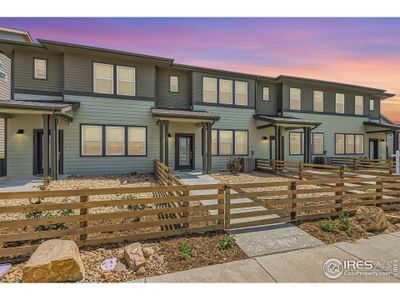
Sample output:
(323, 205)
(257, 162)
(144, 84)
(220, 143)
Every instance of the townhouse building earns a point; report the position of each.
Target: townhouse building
(76, 109)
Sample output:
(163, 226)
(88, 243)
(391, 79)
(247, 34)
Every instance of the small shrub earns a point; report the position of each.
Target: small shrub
(234, 165)
(346, 227)
(330, 225)
(186, 250)
(227, 242)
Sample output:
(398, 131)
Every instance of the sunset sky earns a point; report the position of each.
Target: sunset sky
(363, 51)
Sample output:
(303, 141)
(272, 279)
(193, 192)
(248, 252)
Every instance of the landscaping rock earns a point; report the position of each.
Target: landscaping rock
(54, 261)
(371, 218)
(134, 256)
(148, 252)
(120, 268)
(141, 271)
(393, 219)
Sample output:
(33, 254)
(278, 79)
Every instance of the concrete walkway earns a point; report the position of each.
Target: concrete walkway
(20, 184)
(304, 265)
(260, 240)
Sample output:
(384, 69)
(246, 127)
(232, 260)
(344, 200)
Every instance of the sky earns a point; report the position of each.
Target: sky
(361, 51)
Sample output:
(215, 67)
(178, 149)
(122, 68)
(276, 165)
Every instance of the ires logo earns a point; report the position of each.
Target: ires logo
(334, 268)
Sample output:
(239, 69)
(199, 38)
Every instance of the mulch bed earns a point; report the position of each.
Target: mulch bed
(165, 260)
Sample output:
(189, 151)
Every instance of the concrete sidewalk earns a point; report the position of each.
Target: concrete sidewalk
(305, 265)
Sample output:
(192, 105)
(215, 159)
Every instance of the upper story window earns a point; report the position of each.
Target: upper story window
(126, 81)
(371, 104)
(226, 91)
(359, 105)
(241, 94)
(173, 84)
(40, 68)
(295, 99)
(103, 78)
(339, 107)
(265, 93)
(3, 76)
(210, 90)
(92, 140)
(318, 101)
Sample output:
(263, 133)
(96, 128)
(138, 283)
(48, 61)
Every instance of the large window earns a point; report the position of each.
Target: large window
(173, 84)
(230, 142)
(359, 105)
(371, 104)
(103, 76)
(92, 140)
(115, 140)
(225, 142)
(318, 143)
(318, 101)
(241, 94)
(210, 90)
(214, 142)
(137, 141)
(339, 108)
(349, 143)
(126, 81)
(296, 143)
(225, 91)
(241, 142)
(295, 99)
(40, 68)
(265, 94)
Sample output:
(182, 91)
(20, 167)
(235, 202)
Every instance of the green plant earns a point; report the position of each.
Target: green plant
(329, 225)
(346, 227)
(186, 250)
(227, 242)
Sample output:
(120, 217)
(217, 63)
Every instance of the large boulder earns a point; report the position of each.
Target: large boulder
(54, 261)
(371, 218)
(134, 256)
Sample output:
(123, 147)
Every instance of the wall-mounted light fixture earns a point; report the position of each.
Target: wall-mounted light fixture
(265, 138)
(169, 135)
(20, 131)
(382, 140)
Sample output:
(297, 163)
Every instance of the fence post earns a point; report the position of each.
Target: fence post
(379, 189)
(341, 172)
(354, 163)
(83, 212)
(339, 185)
(227, 208)
(273, 166)
(390, 166)
(221, 202)
(301, 171)
(293, 188)
(186, 207)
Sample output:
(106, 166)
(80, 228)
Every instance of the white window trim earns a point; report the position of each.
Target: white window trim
(371, 101)
(360, 106)
(118, 80)
(336, 103)
(263, 94)
(104, 78)
(37, 68)
(5, 76)
(82, 139)
(123, 140)
(291, 101)
(177, 83)
(314, 101)
(246, 93)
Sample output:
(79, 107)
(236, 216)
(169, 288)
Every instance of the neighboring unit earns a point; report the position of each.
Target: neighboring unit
(77, 109)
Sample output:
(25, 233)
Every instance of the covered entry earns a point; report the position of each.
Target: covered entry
(383, 139)
(188, 135)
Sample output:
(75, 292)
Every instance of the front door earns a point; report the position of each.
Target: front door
(184, 155)
(38, 152)
(373, 149)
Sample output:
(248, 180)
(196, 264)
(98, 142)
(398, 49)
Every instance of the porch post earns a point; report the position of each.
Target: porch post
(203, 147)
(395, 141)
(45, 145)
(277, 144)
(53, 147)
(161, 124)
(209, 162)
(307, 145)
(166, 141)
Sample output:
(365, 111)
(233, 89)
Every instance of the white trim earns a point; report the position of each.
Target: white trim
(298, 100)
(133, 82)
(263, 93)
(357, 97)
(95, 77)
(315, 100)
(171, 84)
(342, 100)
(35, 75)
(246, 93)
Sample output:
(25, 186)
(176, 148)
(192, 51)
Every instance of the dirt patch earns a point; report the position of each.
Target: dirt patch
(166, 259)
(227, 177)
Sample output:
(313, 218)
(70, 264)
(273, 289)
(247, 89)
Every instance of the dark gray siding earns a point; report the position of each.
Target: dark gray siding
(166, 99)
(197, 83)
(270, 107)
(376, 113)
(24, 71)
(78, 73)
(4, 35)
(5, 94)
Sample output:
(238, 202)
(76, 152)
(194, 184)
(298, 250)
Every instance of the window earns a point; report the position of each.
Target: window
(125, 81)
(349, 144)
(103, 76)
(92, 140)
(115, 140)
(214, 142)
(296, 143)
(318, 101)
(225, 142)
(359, 105)
(173, 84)
(40, 68)
(339, 143)
(295, 99)
(339, 103)
(3, 76)
(318, 143)
(371, 104)
(265, 94)
(225, 91)
(137, 141)
(209, 90)
(241, 95)
(241, 142)
(359, 144)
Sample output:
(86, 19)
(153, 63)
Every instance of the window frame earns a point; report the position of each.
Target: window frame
(301, 143)
(216, 90)
(336, 103)
(5, 76)
(323, 142)
(363, 143)
(263, 94)
(116, 80)
(233, 142)
(234, 92)
(313, 103)
(218, 101)
(112, 78)
(82, 141)
(355, 105)
(106, 140)
(46, 60)
(372, 101)
(177, 84)
(345, 152)
(145, 142)
(290, 99)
